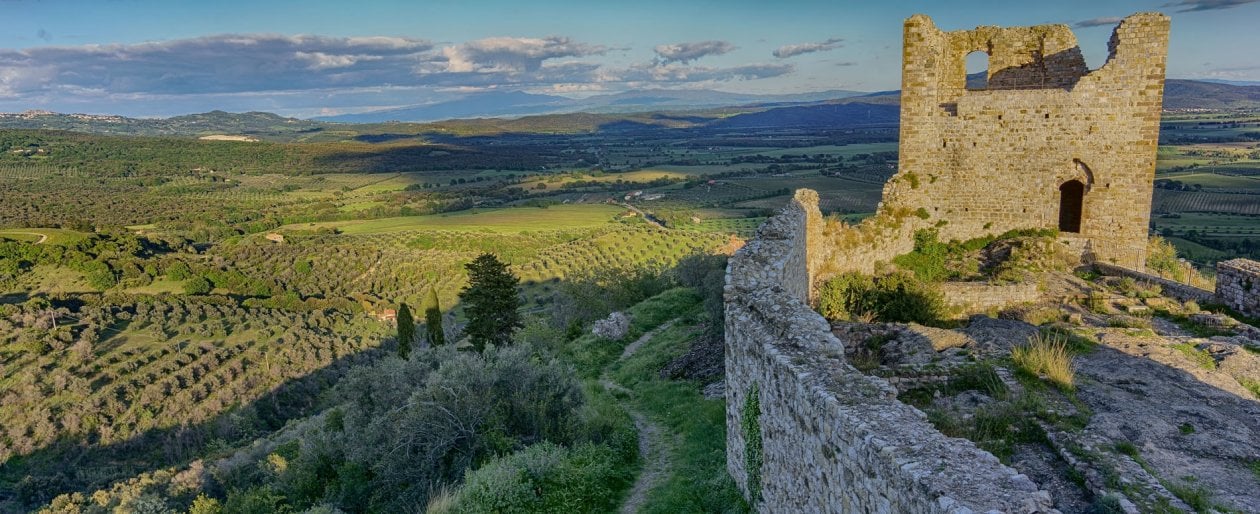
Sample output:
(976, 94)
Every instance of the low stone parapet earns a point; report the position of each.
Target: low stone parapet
(1172, 288)
(806, 432)
(1238, 285)
(983, 296)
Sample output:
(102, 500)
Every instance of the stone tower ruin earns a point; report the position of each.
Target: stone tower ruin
(1047, 143)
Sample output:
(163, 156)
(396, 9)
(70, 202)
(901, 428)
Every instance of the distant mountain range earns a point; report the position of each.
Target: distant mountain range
(203, 124)
(1195, 94)
(498, 104)
(495, 112)
(1232, 82)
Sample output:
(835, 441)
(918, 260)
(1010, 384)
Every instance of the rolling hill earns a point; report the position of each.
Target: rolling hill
(520, 112)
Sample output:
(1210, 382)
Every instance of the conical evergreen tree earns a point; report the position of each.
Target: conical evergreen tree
(433, 319)
(491, 301)
(406, 331)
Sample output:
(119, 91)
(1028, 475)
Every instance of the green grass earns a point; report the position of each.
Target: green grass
(841, 150)
(1196, 252)
(54, 280)
(55, 236)
(698, 481)
(1201, 358)
(1049, 356)
(1251, 385)
(1215, 180)
(160, 286)
(693, 428)
(638, 176)
(591, 354)
(1196, 496)
(509, 220)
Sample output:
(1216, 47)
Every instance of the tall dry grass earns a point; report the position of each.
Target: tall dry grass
(1047, 355)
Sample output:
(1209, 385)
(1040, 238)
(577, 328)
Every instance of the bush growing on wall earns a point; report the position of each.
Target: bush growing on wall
(934, 261)
(894, 297)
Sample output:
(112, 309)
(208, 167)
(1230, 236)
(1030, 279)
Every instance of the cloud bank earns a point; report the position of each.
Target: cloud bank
(1098, 22)
(299, 75)
(786, 51)
(214, 64)
(513, 54)
(688, 52)
(1206, 5)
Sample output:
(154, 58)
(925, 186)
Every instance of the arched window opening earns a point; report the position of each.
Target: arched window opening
(977, 70)
(1071, 206)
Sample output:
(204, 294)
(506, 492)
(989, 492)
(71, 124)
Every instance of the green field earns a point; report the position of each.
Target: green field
(1208, 179)
(1217, 224)
(842, 150)
(511, 220)
(1197, 253)
(50, 236)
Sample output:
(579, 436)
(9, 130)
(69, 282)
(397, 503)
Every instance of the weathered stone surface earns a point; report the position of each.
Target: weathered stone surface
(614, 327)
(1168, 287)
(971, 163)
(992, 160)
(1238, 285)
(981, 296)
(834, 439)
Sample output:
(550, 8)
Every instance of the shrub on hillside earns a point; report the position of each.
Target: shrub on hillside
(897, 297)
(1161, 257)
(546, 478)
(596, 292)
(405, 425)
(1010, 256)
(707, 275)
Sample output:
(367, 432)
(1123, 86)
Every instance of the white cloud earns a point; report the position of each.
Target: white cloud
(1207, 5)
(513, 54)
(304, 73)
(786, 51)
(679, 73)
(1098, 22)
(688, 52)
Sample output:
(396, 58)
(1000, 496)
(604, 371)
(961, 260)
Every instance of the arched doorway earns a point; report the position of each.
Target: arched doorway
(1071, 204)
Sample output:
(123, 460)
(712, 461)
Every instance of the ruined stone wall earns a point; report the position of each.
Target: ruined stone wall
(992, 160)
(1238, 285)
(982, 296)
(1171, 288)
(831, 438)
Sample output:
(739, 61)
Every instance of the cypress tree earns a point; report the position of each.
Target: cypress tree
(406, 331)
(491, 301)
(433, 319)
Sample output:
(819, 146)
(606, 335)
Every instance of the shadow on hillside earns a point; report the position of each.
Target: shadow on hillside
(409, 157)
(78, 464)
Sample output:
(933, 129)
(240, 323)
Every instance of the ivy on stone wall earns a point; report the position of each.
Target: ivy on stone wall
(751, 428)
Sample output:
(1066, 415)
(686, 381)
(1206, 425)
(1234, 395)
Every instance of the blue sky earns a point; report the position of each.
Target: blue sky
(305, 58)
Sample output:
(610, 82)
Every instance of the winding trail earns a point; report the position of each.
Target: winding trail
(42, 237)
(653, 445)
